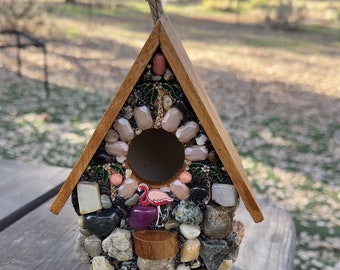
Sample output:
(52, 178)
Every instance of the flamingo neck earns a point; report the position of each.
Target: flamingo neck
(143, 200)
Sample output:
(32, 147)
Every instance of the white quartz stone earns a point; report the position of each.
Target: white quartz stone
(101, 263)
(187, 132)
(201, 139)
(224, 194)
(88, 197)
(190, 231)
(183, 267)
(143, 117)
(124, 129)
(196, 153)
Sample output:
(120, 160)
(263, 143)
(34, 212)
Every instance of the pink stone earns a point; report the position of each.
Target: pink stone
(124, 129)
(187, 132)
(172, 119)
(143, 117)
(196, 153)
(118, 148)
(185, 177)
(127, 188)
(116, 179)
(180, 190)
(158, 64)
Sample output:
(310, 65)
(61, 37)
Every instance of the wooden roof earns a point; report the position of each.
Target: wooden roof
(164, 36)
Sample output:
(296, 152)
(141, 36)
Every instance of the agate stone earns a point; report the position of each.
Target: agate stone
(141, 217)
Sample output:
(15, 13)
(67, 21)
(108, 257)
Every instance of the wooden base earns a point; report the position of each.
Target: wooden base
(155, 245)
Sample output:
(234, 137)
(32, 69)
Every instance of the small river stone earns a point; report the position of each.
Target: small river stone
(101, 223)
(111, 136)
(145, 264)
(188, 212)
(171, 224)
(106, 201)
(101, 263)
(183, 267)
(79, 249)
(217, 223)
(93, 245)
(226, 265)
(118, 245)
(190, 250)
(132, 200)
(190, 231)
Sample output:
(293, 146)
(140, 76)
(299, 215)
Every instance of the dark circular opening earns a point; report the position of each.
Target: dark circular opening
(155, 155)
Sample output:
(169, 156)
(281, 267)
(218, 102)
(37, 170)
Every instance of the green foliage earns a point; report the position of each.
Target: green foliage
(285, 15)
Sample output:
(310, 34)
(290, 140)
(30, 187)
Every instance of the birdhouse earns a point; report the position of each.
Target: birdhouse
(158, 183)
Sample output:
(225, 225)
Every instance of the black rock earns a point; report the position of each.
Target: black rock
(102, 158)
(101, 223)
(179, 104)
(198, 193)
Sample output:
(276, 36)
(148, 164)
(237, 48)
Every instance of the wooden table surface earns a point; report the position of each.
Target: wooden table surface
(31, 237)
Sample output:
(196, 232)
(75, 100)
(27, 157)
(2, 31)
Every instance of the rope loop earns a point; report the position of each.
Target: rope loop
(156, 9)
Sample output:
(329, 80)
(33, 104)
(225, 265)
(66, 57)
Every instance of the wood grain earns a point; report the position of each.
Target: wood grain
(21, 183)
(155, 245)
(207, 114)
(44, 241)
(163, 35)
(269, 244)
(41, 241)
(107, 119)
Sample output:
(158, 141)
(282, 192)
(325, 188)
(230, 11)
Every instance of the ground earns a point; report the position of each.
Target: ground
(277, 92)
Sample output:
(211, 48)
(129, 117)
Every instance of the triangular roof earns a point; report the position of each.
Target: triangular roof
(164, 36)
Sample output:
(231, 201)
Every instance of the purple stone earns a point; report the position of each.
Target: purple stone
(141, 216)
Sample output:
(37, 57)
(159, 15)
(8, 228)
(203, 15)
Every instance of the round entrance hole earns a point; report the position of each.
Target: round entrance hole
(155, 155)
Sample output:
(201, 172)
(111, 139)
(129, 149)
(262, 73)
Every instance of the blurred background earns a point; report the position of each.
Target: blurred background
(271, 68)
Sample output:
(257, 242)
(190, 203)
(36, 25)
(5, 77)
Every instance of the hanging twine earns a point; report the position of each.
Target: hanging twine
(156, 9)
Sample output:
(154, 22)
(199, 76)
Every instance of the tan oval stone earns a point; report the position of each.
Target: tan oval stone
(190, 250)
(167, 102)
(111, 136)
(101, 263)
(226, 265)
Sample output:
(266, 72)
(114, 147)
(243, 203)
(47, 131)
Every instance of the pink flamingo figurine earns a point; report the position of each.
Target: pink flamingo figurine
(154, 197)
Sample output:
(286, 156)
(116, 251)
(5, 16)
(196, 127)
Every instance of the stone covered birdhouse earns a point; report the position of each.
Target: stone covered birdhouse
(158, 183)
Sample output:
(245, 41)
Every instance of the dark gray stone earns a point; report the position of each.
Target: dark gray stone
(101, 223)
(213, 253)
